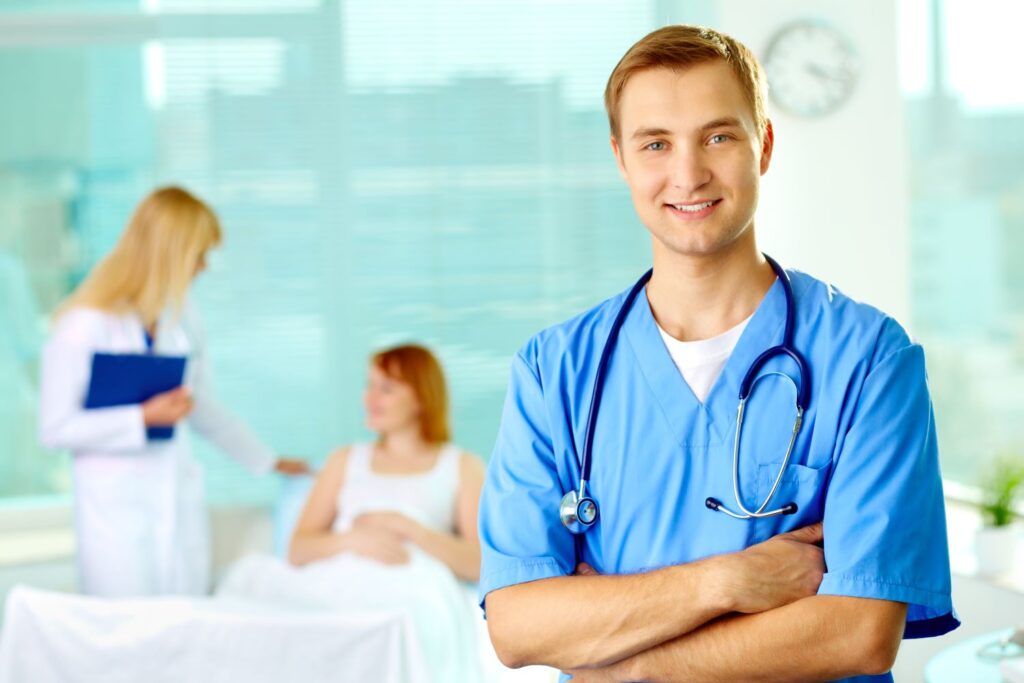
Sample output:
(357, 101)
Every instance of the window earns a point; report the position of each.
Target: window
(385, 171)
(965, 125)
(397, 170)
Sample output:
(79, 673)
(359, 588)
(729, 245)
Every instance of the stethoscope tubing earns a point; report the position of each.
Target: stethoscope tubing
(569, 509)
(595, 396)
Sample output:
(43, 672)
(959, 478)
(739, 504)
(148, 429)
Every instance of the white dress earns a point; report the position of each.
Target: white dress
(440, 606)
(140, 516)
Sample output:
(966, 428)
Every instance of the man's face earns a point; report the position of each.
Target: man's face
(690, 152)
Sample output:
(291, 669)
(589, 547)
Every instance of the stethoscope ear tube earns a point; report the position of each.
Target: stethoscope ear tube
(716, 505)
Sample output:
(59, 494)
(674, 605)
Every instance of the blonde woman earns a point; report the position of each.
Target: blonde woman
(139, 512)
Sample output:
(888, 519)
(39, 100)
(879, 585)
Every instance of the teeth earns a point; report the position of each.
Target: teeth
(692, 208)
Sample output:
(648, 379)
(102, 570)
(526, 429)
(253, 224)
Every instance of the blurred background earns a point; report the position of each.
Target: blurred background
(395, 170)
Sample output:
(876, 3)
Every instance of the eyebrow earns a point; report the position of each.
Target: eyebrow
(722, 122)
(650, 132)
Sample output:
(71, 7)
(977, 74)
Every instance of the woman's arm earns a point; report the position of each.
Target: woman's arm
(313, 539)
(64, 378)
(459, 550)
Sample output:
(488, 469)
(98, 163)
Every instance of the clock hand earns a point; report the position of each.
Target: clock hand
(820, 72)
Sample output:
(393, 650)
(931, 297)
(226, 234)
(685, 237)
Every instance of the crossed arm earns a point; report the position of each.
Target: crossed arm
(751, 615)
(820, 638)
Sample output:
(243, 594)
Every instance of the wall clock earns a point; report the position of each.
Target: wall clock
(812, 68)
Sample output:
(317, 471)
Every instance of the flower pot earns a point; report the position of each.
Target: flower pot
(996, 548)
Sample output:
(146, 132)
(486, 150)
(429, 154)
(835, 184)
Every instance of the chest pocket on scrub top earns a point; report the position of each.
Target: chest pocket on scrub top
(767, 429)
(800, 484)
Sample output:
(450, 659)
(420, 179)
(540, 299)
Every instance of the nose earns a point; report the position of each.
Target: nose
(690, 171)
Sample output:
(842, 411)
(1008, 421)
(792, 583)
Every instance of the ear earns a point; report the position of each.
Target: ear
(617, 151)
(767, 145)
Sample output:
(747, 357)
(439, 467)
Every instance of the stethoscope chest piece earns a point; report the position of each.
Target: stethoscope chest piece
(578, 514)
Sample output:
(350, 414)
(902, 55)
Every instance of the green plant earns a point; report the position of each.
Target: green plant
(1000, 486)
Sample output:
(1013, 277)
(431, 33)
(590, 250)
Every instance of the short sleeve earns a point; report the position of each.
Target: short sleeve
(521, 536)
(885, 523)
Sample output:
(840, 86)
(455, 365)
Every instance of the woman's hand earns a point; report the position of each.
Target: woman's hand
(291, 466)
(376, 544)
(166, 409)
(395, 523)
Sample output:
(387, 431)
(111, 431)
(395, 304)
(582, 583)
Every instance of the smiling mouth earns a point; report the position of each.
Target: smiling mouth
(695, 208)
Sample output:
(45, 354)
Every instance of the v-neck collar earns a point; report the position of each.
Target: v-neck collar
(170, 335)
(695, 424)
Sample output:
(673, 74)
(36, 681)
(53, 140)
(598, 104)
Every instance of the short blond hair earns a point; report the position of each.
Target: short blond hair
(152, 265)
(678, 47)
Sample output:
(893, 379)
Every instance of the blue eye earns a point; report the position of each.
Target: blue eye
(721, 137)
(656, 146)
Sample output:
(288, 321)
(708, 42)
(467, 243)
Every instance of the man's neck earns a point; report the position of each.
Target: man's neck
(699, 297)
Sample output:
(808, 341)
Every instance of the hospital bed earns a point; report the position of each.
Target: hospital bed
(50, 636)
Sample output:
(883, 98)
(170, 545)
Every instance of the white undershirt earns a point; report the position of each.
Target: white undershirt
(701, 362)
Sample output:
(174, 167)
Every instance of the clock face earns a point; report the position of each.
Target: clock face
(811, 68)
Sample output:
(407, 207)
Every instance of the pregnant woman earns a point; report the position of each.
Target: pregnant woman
(390, 524)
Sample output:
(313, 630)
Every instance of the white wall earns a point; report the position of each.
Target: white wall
(834, 200)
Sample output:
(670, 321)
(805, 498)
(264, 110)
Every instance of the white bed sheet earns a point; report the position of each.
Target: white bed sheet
(49, 636)
(447, 623)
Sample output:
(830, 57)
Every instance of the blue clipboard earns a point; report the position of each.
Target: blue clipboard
(119, 379)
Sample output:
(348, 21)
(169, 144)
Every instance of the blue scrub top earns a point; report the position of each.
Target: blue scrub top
(865, 461)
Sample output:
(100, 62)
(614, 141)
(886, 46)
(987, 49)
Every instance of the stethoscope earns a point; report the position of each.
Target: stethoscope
(1010, 647)
(579, 511)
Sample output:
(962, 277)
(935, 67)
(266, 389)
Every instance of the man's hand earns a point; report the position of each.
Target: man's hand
(781, 570)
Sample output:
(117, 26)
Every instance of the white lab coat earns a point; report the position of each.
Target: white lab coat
(140, 516)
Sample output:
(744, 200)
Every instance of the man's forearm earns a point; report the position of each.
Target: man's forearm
(585, 621)
(820, 638)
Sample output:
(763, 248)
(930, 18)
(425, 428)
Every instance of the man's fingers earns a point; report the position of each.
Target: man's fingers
(808, 534)
(584, 569)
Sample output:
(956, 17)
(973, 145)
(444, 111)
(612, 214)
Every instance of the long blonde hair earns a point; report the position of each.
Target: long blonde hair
(153, 263)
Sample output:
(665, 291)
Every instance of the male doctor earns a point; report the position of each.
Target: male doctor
(673, 581)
